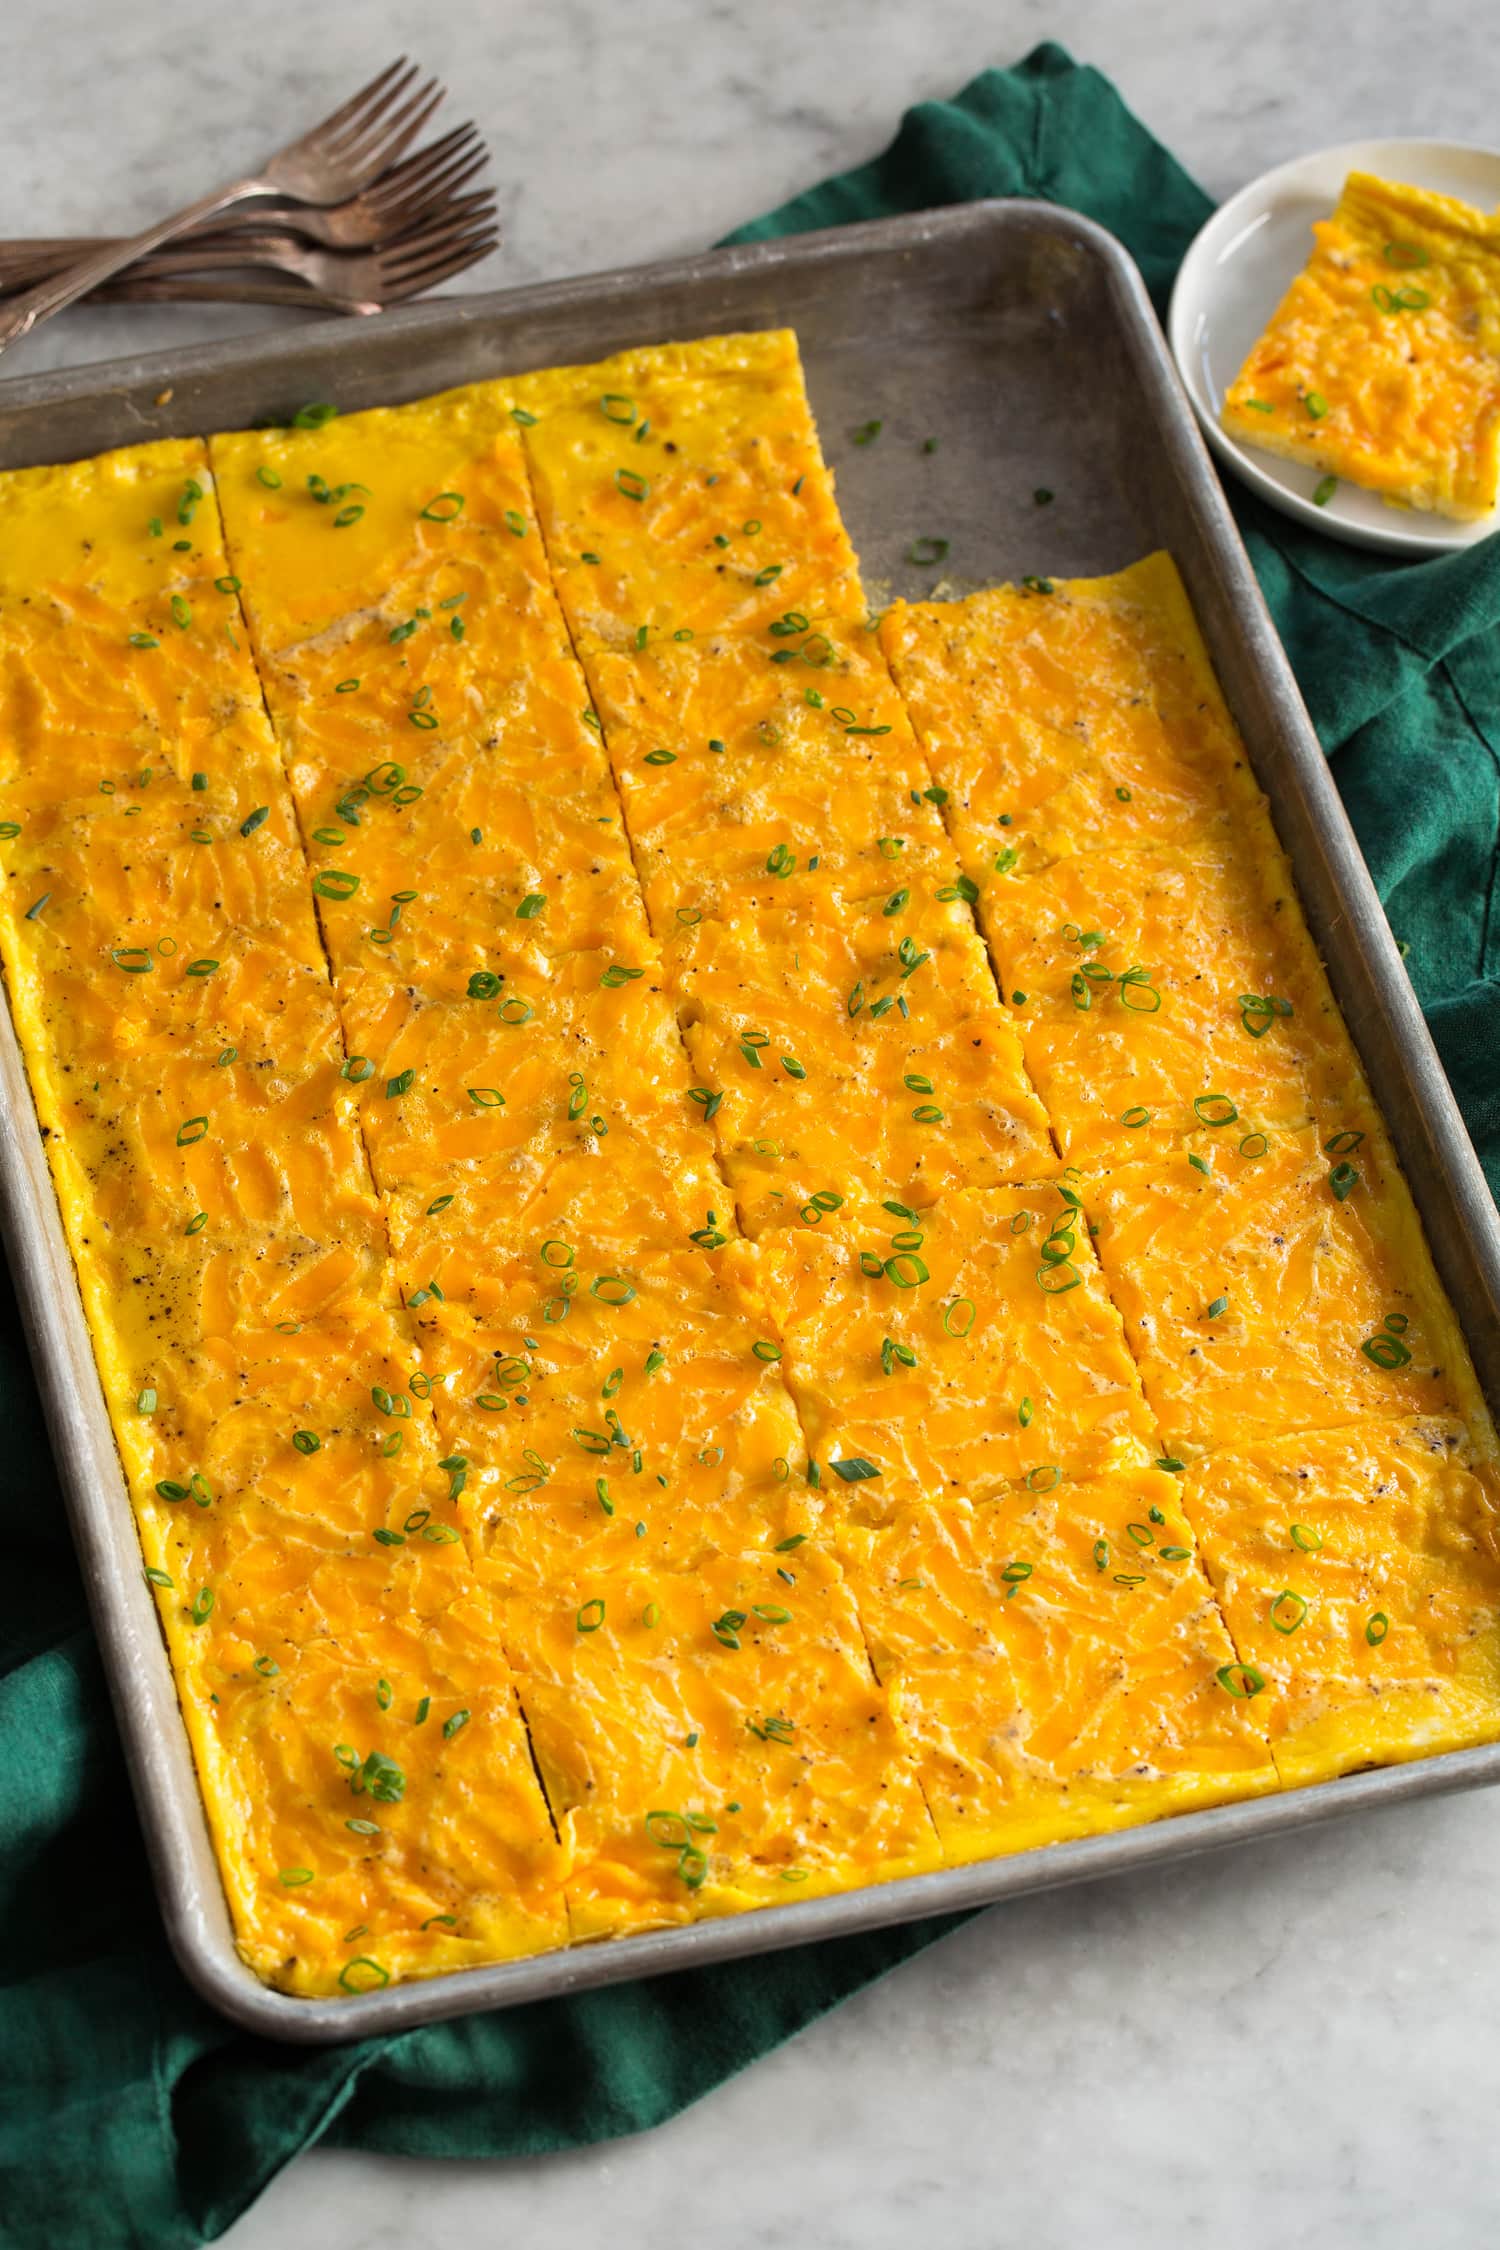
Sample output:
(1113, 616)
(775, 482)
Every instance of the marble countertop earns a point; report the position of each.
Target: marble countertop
(1291, 2044)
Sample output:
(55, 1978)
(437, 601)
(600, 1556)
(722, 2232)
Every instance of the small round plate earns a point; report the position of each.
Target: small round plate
(1231, 282)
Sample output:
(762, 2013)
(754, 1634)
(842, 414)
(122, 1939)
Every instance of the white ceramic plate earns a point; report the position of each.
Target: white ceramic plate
(1231, 282)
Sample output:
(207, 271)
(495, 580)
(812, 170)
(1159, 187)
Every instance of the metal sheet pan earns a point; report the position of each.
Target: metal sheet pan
(1020, 338)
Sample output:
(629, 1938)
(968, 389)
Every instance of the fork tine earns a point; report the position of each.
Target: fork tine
(432, 242)
(402, 213)
(426, 173)
(466, 214)
(428, 241)
(464, 168)
(378, 144)
(390, 82)
(422, 270)
(443, 269)
(415, 167)
(480, 205)
(438, 220)
(370, 115)
(417, 122)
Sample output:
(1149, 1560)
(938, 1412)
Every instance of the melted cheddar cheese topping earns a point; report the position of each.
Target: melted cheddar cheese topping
(1382, 362)
(1358, 1570)
(704, 1228)
(1054, 1659)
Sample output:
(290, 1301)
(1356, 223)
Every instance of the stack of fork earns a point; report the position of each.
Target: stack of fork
(349, 218)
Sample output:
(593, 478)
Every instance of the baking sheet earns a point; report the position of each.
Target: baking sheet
(1020, 339)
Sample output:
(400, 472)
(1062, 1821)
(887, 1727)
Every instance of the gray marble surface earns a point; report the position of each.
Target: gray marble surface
(1294, 2044)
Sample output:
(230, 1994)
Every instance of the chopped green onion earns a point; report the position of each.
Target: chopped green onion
(854, 1469)
(372, 1977)
(1214, 1109)
(336, 883)
(612, 1289)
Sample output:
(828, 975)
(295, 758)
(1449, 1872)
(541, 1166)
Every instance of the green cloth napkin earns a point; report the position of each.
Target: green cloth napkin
(131, 2114)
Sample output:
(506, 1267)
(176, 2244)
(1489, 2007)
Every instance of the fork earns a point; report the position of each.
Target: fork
(337, 160)
(365, 280)
(398, 201)
(193, 289)
(452, 235)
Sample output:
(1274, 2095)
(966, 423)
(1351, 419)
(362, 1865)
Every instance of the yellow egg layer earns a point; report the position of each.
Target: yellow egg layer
(117, 621)
(1274, 1291)
(1139, 910)
(863, 1056)
(956, 1357)
(628, 1173)
(184, 1047)
(681, 493)
(606, 1380)
(713, 1741)
(1160, 989)
(380, 1816)
(1231, 1167)
(1381, 364)
(1359, 1572)
(1056, 1661)
(729, 758)
(1080, 718)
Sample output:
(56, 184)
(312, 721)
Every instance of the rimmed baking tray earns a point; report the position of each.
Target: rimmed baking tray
(1019, 340)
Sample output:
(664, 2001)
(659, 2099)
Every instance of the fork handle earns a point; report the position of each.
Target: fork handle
(25, 259)
(33, 306)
